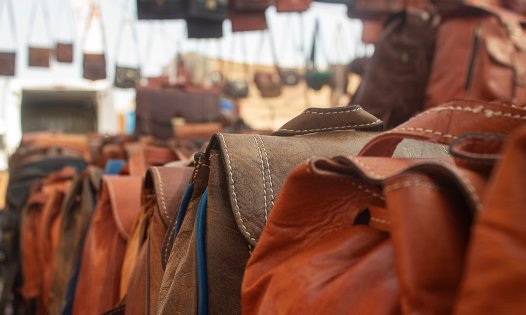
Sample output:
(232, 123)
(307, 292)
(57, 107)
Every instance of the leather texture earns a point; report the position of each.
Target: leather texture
(64, 52)
(164, 189)
(486, 69)
(399, 68)
(98, 285)
(242, 176)
(39, 57)
(94, 66)
(348, 232)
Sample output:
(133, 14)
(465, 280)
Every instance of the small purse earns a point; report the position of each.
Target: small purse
(248, 21)
(160, 9)
(288, 76)
(38, 56)
(237, 88)
(94, 64)
(64, 52)
(292, 5)
(316, 79)
(127, 77)
(267, 84)
(8, 58)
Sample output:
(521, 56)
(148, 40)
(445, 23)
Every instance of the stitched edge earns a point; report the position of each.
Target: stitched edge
(269, 172)
(332, 113)
(332, 128)
(428, 131)
(367, 168)
(236, 205)
(161, 186)
(263, 176)
(477, 110)
(382, 221)
(410, 183)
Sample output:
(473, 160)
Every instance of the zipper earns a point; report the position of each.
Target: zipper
(472, 58)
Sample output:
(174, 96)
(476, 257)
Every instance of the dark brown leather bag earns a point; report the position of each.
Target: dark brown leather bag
(98, 285)
(7, 63)
(251, 5)
(374, 9)
(94, 64)
(268, 84)
(64, 52)
(164, 189)
(292, 5)
(39, 57)
(127, 77)
(479, 57)
(517, 6)
(347, 232)
(248, 21)
(394, 85)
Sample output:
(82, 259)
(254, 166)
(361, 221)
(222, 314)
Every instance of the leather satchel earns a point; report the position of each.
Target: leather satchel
(248, 21)
(7, 63)
(203, 28)
(64, 52)
(156, 107)
(490, 68)
(94, 66)
(39, 57)
(236, 88)
(399, 68)
(374, 9)
(127, 77)
(292, 5)
(251, 5)
(160, 9)
(289, 77)
(268, 84)
(347, 232)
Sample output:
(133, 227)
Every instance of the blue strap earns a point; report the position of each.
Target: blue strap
(202, 290)
(114, 167)
(183, 207)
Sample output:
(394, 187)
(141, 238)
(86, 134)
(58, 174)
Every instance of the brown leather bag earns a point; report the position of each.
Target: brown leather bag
(394, 85)
(347, 232)
(479, 57)
(8, 58)
(517, 6)
(94, 64)
(374, 9)
(247, 21)
(39, 57)
(292, 5)
(268, 84)
(163, 191)
(233, 189)
(98, 285)
(64, 52)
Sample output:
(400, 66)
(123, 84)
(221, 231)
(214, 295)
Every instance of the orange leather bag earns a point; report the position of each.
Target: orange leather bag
(98, 286)
(479, 55)
(380, 235)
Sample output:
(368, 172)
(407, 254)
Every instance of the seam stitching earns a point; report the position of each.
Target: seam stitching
(163, 202)
(269, 172)
(262, 169)
(331, 128)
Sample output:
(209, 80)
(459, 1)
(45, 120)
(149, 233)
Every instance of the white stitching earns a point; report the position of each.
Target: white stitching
(380, 221)
(367, 168)
(332, 128)
(477, 110)
(163, 202)
(236, 205)
(170, 238)
(263, 176)
(331, 113)
(269, 172)
(429, 131)
(408, 184)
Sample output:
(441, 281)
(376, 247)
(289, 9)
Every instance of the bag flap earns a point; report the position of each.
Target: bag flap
(500, 49)
(125, 198)
(169, 185)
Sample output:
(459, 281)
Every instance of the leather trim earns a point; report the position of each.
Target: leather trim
(202, 289)
(125, 197)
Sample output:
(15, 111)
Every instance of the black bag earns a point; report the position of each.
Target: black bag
(8, 58)
(210, 10)
(204, 29)
(127, 77)
(160, 9)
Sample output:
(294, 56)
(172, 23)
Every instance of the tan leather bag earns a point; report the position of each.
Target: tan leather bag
(98, 286)
(480, 56)
(234, 187)
(163, 191)
(348, 232)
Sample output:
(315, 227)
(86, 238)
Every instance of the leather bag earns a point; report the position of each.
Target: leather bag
(94, 64)
(247, 21)
(8, 58)
(99, 279)
(64, 52)
(347, 232)
(399, 68)
(235, 185)
(238, 88)
(517, 6)
(39, 57)
(203, 28)
(251, 5)
(160, 9)
(155, 109)
(163, 191)
(489, 68)
(268, 84)
(374, 9)
(292, 5)
(127, 77)
(208, 10)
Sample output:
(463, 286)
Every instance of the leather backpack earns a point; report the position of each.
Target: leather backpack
(423, 236)
(394, 85)
(234, 186)
(485, 54)
(163, 192)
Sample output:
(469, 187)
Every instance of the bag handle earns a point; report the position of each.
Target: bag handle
(128, 20)
(63, 6)
(33, 16)
(11, 16)
(94, 12)
(447, 122)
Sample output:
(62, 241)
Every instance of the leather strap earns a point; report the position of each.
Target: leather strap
(447, 122)
(95, 13)
(142, 158)
(11, 16)
(314, 120)
(33, 18)
(128, 21)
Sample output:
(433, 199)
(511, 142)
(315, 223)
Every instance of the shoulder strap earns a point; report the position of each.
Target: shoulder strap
(11, 16)
(128, 21)
(33, 17)
(95, 13)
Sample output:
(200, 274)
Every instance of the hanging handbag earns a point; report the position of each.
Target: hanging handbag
(8, 58)
(423, 236)
(267, 82)
(316, 79)
(64, 49)
(160, 9)
(374, 9)
(127, 77)
(288, 76)
(283, 6)
(39, 56)
(208, 10)
(94, 64)
(237, 88)
(247, 21)
(203, 28)
(251, 5)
